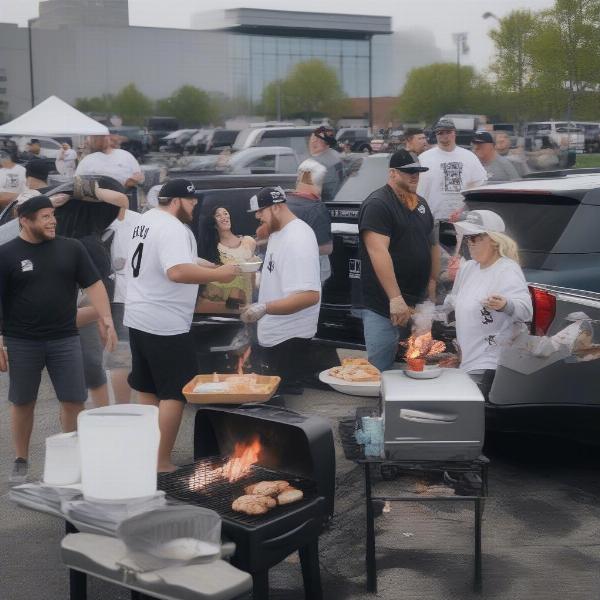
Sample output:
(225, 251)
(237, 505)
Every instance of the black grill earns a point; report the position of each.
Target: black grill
(214, 491)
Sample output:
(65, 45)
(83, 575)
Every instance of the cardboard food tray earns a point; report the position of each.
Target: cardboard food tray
(226, 398)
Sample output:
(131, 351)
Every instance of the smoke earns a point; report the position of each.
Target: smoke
(423, 318)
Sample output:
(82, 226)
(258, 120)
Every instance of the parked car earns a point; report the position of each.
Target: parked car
(292, 137)
(220, 139)
(558, 132)
(358, 139)
(158, 127)
(175, 141)
(591, 135)
(254, 161)
(133, 139)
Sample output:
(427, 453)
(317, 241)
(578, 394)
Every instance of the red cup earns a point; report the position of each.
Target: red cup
(415, 364)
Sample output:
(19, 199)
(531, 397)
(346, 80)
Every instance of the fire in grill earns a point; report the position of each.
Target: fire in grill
(205, 482)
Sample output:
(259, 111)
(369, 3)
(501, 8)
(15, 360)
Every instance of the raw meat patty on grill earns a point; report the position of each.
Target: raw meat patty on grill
(267, 488)
(253, 505)
(289, 496)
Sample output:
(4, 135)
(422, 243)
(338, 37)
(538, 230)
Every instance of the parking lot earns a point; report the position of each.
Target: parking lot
(540, 534)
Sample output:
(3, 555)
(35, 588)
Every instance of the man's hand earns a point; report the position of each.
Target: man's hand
(253, 312)
(226, 273)
(107, 333)
(399, 311)
(3, 357)
(59, 199)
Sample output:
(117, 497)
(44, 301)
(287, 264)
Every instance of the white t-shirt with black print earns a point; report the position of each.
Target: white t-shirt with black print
(153, 302)
(450, 173)
(13, 180)
(291, 265)
(481, 333)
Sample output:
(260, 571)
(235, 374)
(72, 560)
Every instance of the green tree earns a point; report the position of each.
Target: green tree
(190, 106)
(131, 105)
(96, 104)
(431, 91)
(311, 89)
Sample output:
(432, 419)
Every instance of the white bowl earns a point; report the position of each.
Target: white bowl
(352, 388)
(429, 372)
(250, 267)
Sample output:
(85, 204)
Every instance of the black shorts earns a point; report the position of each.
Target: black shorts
(161, 364)
(63, 360)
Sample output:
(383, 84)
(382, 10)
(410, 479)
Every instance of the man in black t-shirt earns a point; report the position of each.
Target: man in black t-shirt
(40, 275)
(399, 258)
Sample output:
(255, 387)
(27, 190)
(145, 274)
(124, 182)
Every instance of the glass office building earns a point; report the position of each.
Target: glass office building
(257, 60)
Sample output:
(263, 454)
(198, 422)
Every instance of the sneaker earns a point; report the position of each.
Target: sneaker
(19, 472)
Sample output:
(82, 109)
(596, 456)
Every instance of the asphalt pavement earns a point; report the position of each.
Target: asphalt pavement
(541, 529)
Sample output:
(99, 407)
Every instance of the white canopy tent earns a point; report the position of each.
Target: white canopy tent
(53, 118)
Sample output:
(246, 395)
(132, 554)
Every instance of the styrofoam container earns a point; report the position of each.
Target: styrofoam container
(62, 465)
(119, 452)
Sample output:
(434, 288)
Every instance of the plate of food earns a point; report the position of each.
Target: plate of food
(428, 372)
(251, 265)
(355, 376)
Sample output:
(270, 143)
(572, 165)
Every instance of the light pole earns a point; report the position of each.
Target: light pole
(462, 47)
(31, 91)
(490, 15)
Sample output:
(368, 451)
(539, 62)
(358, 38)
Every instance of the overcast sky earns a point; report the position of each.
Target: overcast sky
(443, 17)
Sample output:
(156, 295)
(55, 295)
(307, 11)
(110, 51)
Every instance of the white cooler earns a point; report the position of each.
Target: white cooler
(432, 419)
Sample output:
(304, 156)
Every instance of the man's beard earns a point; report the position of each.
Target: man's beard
(183, 216)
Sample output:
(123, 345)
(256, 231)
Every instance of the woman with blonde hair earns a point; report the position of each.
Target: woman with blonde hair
(489, 296)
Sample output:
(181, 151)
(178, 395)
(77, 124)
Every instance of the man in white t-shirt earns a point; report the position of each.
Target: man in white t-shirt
(12, 179)
(111, 162)
(289, 296)
(452, 170)
(66, 161)
(162, 286)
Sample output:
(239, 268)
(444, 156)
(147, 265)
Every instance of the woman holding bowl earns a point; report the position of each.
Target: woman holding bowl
(489, 296)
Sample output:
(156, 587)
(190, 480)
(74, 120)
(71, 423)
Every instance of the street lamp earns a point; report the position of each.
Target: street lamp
(490, 15)
(462, 47)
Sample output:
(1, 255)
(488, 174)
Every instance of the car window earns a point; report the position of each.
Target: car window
(266, 162)
(534, 221)
(49, 144)
(287, 163)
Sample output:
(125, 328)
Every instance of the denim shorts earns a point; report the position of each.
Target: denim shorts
(62, 358)
(381, 339)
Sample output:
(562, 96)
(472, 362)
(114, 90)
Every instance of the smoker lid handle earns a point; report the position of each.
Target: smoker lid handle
(419, 416)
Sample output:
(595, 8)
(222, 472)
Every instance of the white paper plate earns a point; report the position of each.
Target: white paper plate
(429, 372)
(366, 388)
(250, 267)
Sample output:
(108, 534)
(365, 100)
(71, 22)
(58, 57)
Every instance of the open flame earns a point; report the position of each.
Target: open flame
(422, 346)
(245, 454)
(243, 359)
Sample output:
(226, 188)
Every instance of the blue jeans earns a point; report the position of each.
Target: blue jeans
(381, 338)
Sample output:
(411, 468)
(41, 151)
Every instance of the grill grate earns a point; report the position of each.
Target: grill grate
(217, 493)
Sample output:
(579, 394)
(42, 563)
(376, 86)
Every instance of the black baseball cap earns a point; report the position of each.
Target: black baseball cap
(444, 124)
(403, 160)
(482, 137)
(177, 188)
(325, 133)
(33, 205)
(34, 141)
(38, 169)
(266, 197)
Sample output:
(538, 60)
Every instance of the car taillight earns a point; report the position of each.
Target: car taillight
(544, 310)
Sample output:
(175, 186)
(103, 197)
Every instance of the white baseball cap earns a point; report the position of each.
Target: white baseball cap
(480, 221)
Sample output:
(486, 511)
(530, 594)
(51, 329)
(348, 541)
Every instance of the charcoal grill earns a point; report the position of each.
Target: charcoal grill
(296, 448)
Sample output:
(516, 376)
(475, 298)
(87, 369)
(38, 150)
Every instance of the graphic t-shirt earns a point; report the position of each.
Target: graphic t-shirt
(411, 238)
(450, 173)
(118, 164)
(153, 302)
(481, 333)
(38, 287)
(291, 265)
(13, 180)
(119, 248)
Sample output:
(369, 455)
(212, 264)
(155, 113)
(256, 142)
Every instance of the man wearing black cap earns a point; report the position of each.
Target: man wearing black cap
(399, 258)
(33, 150)
(289, 296)
(39, 278)
(498, 168)
(162, 287)
(320, 145)
(452, 170)
(12, 179)
(36, 173)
